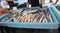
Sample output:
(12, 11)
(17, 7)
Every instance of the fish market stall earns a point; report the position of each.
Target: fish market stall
(36, 18)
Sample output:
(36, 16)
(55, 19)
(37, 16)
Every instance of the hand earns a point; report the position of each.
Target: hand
(5, 11)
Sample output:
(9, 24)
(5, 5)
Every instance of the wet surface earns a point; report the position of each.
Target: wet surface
(23, 30)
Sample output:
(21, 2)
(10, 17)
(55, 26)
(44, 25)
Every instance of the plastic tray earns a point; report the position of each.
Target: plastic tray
(34, 25)
(56, 11)
(4, 16)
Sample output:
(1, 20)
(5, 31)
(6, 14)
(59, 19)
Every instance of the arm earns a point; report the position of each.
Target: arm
(56, 1)
(5, 11)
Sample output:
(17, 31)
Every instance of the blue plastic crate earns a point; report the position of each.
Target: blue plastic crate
(34, 25)
(56, 11)
(3, 17)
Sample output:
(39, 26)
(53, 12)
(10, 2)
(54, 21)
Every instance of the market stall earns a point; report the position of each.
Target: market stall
(52, 23)
(30, 14)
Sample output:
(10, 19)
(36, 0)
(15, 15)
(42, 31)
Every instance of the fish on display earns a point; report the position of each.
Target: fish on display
(34, 15)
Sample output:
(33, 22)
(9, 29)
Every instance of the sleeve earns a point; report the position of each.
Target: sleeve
(56, 1)
(4, 4)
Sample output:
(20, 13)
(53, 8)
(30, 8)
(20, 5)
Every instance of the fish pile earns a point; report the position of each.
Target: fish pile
(11, 18)
(38, 15)
(30, 15)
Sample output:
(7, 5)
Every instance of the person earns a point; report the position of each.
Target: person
(56, 2)
(4, 4)
(0, 0)
(10, 2)
(0, 3)
(34, 2)
(22, 3)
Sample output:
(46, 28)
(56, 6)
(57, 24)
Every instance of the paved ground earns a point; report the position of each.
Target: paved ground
(21, 30)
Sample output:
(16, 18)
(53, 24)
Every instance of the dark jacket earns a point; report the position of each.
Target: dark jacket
(34, 2)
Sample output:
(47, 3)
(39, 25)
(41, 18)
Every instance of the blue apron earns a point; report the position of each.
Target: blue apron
(0, 0)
